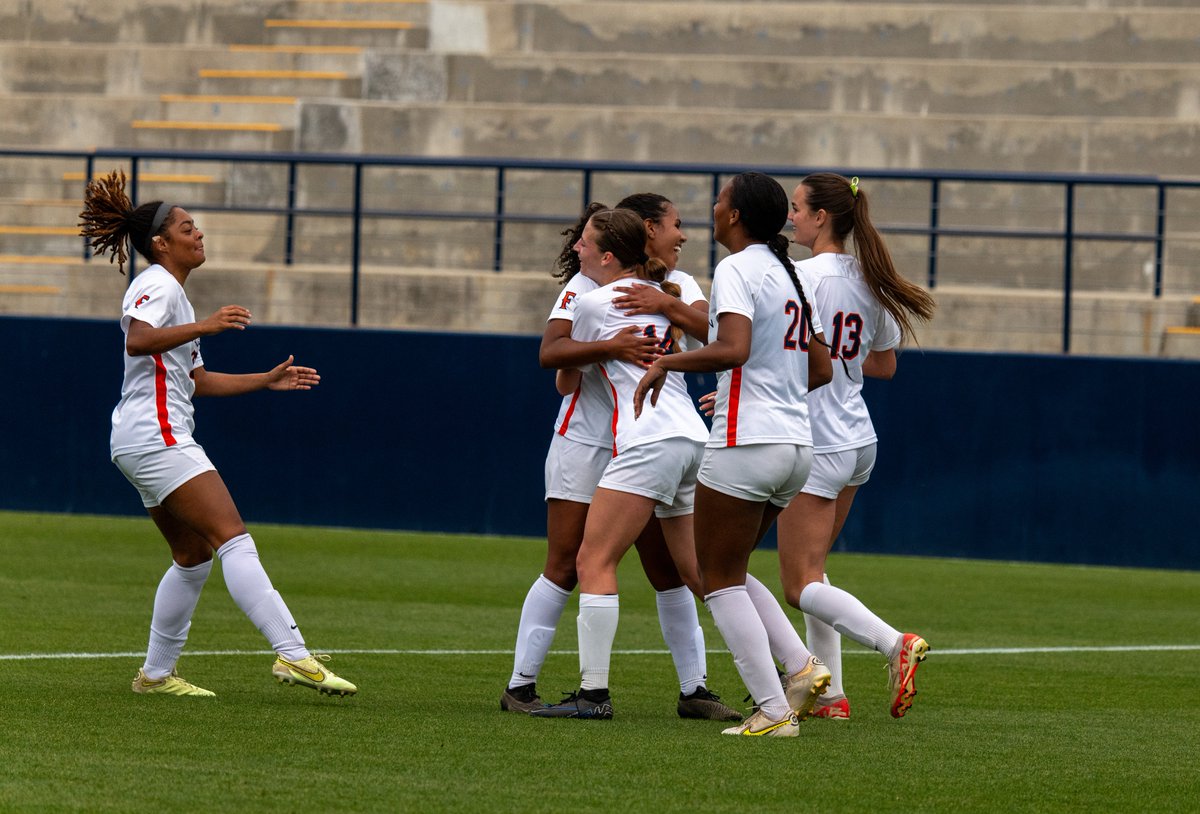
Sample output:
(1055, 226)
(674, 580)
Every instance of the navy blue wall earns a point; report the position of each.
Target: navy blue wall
(997, 456)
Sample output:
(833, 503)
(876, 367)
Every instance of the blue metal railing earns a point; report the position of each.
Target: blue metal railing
(357, 212)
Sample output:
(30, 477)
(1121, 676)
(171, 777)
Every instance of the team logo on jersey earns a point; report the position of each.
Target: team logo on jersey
(141, 300)
(567, 299)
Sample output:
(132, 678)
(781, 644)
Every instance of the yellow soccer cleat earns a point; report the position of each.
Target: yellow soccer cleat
(310, 672)
(171, 685)
(804, 687)
(759, 725)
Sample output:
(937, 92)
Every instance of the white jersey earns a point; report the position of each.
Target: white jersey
(596, 319)
(155, 410)
(585, 416)
(763, 401)
(858, 324)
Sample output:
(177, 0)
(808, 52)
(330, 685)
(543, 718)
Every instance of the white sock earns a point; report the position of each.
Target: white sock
(786, 645)
(681, 631)
(535, 633)
(746, 638)
(597, 626)
(251, 589)
(826, 644)
(174, 603)
(848, 616)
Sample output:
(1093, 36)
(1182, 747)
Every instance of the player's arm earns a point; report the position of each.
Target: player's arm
(646, 299)
(880, 364)
(820, 363)
(143, 339)
(567, 381)
(560, 351)
(284, 376)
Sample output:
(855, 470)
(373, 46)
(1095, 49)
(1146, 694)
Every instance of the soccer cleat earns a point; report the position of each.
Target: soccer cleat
(171, 685)
(902, 672)
(804, 687)
(706, 705)
(576, 705)
(837, 710)
(520, 699)
(309, 672)
(759, 725)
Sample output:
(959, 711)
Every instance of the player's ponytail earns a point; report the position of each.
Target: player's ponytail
(849, 211)
(109, 221)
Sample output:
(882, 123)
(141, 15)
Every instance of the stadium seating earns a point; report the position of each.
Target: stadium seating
(1059, 86)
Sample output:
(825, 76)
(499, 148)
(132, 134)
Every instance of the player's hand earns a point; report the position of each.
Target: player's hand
(287, 376)
(708, 403)
(652, 382)
(631, 346)
(229, 316)
(642, 299)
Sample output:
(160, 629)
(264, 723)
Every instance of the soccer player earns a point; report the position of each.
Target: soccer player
(581, 448)
(868, 307)
(152, 441)
(760, 448)
(654, 459)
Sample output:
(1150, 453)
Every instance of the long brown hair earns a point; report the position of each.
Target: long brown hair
(109, 221)
(623, 232)
(849, 211)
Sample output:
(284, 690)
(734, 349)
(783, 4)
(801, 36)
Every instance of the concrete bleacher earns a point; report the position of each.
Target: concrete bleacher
(1060, 86)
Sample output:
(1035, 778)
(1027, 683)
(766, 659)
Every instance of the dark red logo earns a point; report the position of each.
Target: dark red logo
(142, 299)
(567, 298)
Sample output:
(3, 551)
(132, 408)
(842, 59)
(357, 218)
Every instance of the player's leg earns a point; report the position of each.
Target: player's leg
(206, 507)
(544, 603)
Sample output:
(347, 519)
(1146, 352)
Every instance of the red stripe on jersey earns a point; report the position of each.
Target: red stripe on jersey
(562, 430)
(160, 400)
(735, 395)
(613, 390)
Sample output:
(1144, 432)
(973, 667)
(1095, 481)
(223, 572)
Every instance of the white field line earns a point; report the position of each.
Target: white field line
(975, 651)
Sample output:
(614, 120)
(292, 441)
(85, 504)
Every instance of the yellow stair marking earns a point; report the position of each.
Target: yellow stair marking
(1182, 330)
(232, 100)
(392, 25)
(298, 49)
(248, 127)
(10, 288)
(40, 260)
(151, 177)
(221, 73)
(39, 230)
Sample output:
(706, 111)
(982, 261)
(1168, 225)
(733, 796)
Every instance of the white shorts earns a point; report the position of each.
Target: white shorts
(157, 473)
(834, 471)
(664, 471)
(757, 472)
(573, 470)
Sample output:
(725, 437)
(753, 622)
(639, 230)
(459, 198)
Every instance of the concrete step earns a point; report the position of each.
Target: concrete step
(996, 142)
(187, 21)
(912, 86)
(1181, 343)
(146, 69)
(465, 299)
(1080, 32)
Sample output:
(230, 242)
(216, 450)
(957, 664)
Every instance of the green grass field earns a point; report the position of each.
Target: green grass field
(1049, 688)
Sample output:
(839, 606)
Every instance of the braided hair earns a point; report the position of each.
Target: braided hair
(762, 207)
(109, 221)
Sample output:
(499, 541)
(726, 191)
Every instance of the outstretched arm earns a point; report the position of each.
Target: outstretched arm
(284, 376)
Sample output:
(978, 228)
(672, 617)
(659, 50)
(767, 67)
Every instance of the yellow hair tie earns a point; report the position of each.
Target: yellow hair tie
(854, 186)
